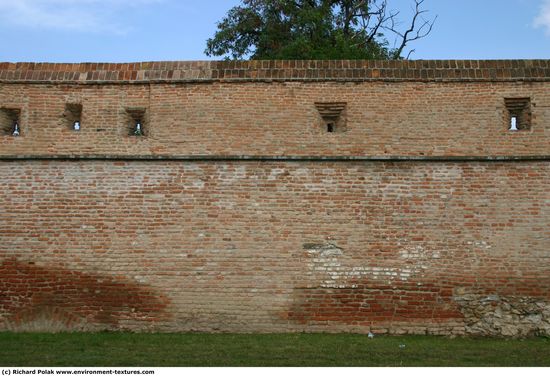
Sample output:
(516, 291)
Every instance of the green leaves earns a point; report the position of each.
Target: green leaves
(307, 29)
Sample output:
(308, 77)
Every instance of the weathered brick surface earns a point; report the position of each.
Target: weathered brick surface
(280, 119)
(94, 237)
(255, 246)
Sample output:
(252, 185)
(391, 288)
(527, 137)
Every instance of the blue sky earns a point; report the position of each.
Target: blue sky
(146, 30)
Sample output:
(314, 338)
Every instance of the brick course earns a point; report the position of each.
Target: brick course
(237, 211)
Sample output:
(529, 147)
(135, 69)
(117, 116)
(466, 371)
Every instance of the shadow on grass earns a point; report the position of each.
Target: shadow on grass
(173, 350)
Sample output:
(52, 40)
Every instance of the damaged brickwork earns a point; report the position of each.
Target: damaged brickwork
(514, 316)
(349, 196)
(364, 296)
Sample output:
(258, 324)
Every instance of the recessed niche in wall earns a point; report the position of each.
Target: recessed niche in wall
(518, 113)
(10, 121)
(73, 116)
(136, 121)
(333, 115)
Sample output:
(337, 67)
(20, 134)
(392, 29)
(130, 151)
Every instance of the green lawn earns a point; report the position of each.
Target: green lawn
(164, 350)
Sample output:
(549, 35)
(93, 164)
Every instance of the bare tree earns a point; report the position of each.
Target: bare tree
(419, 27)
(372, 16)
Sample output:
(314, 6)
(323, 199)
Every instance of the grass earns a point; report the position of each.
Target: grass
(178, 350)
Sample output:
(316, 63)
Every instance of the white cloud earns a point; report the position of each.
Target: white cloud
(543, 19)
(71, 15)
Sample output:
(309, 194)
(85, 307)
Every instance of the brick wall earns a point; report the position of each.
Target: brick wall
(238, 211)
(234, 117)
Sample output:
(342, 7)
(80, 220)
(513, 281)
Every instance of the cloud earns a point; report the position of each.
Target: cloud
(543, 19)
(92, 16)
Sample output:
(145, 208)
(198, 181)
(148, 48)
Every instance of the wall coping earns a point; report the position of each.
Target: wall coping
(276, 70)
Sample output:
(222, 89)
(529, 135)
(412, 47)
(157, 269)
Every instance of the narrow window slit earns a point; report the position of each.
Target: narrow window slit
(514, 123)
(16, 132)
(137, 130)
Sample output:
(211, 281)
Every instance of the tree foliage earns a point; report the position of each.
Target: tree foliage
(317, 29)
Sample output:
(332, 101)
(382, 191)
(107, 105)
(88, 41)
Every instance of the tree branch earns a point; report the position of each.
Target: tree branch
(413, 32)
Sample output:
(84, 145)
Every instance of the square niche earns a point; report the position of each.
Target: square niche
(333, 115)
(72, 117)
(136, 121)
(518, 114)
(8, 118)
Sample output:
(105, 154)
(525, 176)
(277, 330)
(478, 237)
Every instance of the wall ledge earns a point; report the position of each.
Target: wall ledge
(271, 158)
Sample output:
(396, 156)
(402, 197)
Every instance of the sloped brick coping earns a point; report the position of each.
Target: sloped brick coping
(281, 70)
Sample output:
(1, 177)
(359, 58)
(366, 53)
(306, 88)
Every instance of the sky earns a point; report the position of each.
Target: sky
(152, 30)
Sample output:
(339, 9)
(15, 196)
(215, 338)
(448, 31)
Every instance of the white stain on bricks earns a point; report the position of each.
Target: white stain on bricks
(328, 260)
(480, 245)
(418, 253)
(447, 173)
(223, 203)
(302, 172)
(231, 175)
(188, 183)
(198, 184)
(275, 173)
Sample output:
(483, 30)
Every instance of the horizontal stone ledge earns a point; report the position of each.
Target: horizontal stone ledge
(274, 80)
(275, 158)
